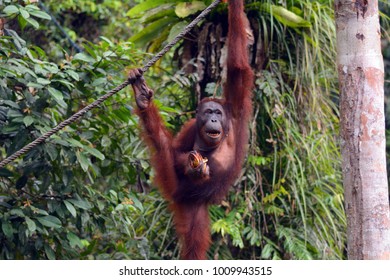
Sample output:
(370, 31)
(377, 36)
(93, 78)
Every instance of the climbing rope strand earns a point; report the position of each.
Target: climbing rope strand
(101, 99)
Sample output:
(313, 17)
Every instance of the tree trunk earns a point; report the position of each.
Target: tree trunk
(361, 77)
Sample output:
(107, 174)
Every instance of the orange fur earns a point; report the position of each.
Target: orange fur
(189, 199)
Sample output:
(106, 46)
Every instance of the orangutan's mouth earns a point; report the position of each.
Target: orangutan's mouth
(213, 134)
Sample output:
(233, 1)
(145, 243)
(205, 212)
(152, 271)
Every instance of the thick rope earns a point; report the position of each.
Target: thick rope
(101, 99)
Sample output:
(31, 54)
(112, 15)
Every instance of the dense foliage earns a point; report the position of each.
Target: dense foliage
(87, 194)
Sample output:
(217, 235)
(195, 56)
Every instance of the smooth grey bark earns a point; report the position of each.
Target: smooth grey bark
(361, 78)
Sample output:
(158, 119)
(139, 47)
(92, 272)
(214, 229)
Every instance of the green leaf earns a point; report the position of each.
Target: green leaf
(30, 224)
(105, 39)
(185, 9)
(23, 23)
(90, 51)
(157, 13)
(28, 120)
(267, 251)
(106, 142)
(35, 85)
(31, 55)
(50, 221)
(153, 30)
(11, 104)
(175, 30)
(109, 54)
(51, 150)
(43, 81)
(49, 252)
(94, 152)
(137, 203)
(119, 207)
(220, 226)
(66, 83)
(40, 14)
(70, 208)
(114, 194)
(287, 17)
(55, 93)
(73, 74)
(39, 51)
(58, 96)
(11, 9)
(83, 160)
(82, 204)
(99, 81)
(236, 236)
(83, 57)
(31, 7)
(24, 13)
(7, 229)
(252, 235)
(33, 22)
(51, 68)
(147, 5)
(75, 143)
(18, 212)
(144, 164)
(74, 240)
(39, 211)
